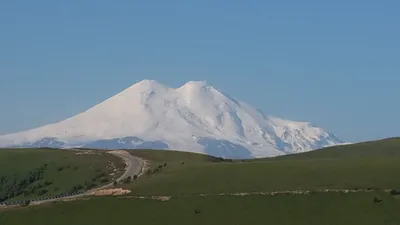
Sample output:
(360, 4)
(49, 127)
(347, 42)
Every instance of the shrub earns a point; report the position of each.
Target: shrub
(376, 200)
(76, 188)
(127, 180)
(89, 185)
(135, 177)
(394, 192)
(25, 203)
(104, 180)
(165, 164)
(42, 192)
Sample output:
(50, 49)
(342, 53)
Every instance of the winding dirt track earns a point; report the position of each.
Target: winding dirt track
(134, 167)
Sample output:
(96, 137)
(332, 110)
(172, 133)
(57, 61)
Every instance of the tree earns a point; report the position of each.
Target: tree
(135, 177)
(42, 192)
(128, 179)
(25, 203)
(115, 183)
(376, 200)
(104, 180)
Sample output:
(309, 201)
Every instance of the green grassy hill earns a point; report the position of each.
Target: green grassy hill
(370, 166)
(381, 148)
(32, 173)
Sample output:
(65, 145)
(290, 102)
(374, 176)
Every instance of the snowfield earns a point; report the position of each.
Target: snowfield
(195, 117)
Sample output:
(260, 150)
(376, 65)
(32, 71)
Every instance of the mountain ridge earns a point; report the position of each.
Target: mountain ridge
(195, 117)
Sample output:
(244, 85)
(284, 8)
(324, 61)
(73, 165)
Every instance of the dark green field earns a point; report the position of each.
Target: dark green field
(372, 166)
(318, 209)
(32, 173)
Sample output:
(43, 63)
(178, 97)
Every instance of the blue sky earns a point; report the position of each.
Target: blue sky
(336, 64)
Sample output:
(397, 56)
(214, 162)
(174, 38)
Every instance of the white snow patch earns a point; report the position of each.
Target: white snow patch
(152, 111)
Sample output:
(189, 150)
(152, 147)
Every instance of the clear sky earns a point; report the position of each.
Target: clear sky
(334, 63)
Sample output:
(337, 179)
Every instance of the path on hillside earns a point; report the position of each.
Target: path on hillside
(134, 166)
(270, 193)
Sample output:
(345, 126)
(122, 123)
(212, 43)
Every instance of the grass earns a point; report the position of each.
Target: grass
(338, 167)
(318, 209)
(176, 157)
(372, 149)
(62, 171)
(184, 175)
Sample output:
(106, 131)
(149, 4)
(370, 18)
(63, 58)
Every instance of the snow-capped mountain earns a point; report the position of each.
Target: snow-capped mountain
(195, 117)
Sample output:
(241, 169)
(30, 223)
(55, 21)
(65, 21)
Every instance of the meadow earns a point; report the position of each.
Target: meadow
(197, 189)
(372, 165)
(317, 209)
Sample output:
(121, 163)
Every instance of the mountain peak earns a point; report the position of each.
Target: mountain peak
(147, 82)
(197, 87)
(200, 83)
(195, 117)
(144, 86)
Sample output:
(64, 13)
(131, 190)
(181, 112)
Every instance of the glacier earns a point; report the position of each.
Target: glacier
(195, 117)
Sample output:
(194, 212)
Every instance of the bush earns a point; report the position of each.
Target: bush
(394, 192)
(165, 164)
(115, 183)
(12, 186)
(42, 192)
(104, 180)
(76, 188)
(89, 185)
(135, 177)
(127, 180)
(25, 203)
(377, 200)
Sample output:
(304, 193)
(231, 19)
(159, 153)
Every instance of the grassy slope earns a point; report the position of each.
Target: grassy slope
(366, 165)
(343, 166)
(65, 169)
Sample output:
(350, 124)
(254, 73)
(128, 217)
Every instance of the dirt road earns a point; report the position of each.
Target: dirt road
(134, 166)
